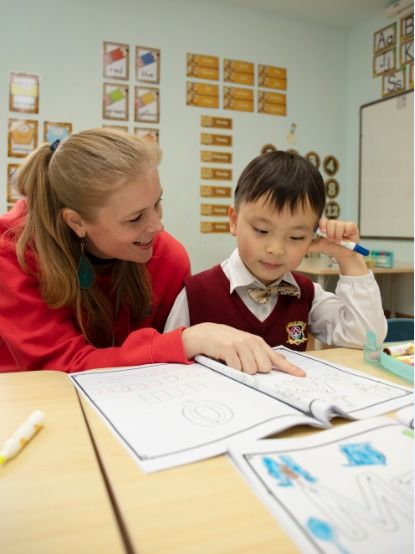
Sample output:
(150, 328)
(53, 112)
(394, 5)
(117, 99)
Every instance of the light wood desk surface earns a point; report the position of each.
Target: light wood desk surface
(200, 508)
(53, 497)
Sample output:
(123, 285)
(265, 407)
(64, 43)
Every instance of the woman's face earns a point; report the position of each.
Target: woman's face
(126, 226)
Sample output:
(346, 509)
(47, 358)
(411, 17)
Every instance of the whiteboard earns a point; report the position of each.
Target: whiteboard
(386, 184)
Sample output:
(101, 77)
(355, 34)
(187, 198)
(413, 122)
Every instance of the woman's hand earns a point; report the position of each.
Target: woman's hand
(237, 349)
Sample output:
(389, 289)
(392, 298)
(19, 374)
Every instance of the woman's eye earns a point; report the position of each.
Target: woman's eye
(135, 219)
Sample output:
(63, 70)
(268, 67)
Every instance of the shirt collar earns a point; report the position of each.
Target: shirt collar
(240, 276)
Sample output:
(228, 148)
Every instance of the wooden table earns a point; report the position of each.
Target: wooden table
(201, 508)
(52, 494)
(319, 271)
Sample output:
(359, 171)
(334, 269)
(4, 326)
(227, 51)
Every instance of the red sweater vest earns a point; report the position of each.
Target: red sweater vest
(209, 300)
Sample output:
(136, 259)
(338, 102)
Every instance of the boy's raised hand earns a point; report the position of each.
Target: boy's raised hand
(350, 262)
(237, 349)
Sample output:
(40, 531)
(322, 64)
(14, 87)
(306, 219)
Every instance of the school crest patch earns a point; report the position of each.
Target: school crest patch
(296, 332)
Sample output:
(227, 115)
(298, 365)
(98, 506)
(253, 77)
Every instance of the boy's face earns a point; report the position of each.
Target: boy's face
(271, 243)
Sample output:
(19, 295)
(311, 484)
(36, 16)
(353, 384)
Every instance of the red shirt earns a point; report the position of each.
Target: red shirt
(34, 336)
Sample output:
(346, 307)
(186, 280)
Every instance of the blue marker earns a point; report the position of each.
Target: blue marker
(348, 244)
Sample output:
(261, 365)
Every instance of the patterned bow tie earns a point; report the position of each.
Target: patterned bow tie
(262, 295)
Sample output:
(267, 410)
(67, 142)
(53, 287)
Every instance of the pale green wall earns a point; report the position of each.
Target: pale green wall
(329, 77)
(362, 88)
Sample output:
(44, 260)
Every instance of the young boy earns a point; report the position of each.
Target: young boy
(279, 201)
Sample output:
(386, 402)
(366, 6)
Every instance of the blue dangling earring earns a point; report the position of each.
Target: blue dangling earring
(85, 271)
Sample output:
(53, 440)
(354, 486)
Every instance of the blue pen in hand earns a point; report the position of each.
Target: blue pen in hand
(348, 244)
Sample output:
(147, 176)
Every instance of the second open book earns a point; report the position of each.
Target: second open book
(171, 414)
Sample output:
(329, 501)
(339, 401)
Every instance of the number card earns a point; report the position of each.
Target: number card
(384, 39)
(22, 137)
(268, 148)
(115, 102)
(147, 64)
(313, 158)
(330, 165)
(53, 131)
(116, 60)
(147, 104)
(332, 188)
(150, 135)
(24, 93)
(332, 210)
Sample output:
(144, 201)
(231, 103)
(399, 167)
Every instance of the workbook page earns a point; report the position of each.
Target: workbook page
(347, 490)
(327, 388)
(171, 414)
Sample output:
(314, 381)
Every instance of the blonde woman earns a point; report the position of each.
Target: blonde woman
(88, 273)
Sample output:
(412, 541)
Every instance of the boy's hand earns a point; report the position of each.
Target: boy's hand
(350, 263)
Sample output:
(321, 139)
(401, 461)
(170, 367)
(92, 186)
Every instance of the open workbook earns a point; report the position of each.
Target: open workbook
(346, 490)
(171, 414)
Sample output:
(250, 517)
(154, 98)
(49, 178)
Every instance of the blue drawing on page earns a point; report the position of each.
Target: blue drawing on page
(362, 454)
(286, 471)
(325, 532)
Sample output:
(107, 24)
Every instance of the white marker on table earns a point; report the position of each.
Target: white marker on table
(348, 244)
(22, 436)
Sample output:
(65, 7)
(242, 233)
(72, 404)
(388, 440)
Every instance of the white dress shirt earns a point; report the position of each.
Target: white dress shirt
(338, 319)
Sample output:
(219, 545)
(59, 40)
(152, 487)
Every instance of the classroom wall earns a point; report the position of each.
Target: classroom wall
(362, 88)
(329, 77)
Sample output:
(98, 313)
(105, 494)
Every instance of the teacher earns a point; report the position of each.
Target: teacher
(88, 275)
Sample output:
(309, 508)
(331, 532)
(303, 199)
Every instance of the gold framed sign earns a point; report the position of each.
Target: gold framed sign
(384, 39)
(331, 165)
(332, 188)
(115, 102)
(406, 52)
(147, 104)
(53, 131)
(22, 137)
(24, 93)
(313, 158)
(116, 60)
(147, 64)
(384, 61)
(214, 227)
(12, 193)
(407, 27)
(150, 135)
(332, 210)
(208, 191)
(393, 82)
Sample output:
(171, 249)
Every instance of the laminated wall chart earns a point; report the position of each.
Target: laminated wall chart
(238, 93)
(144, 95)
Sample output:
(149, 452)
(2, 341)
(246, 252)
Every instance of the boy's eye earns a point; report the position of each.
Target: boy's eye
(297, 238)
(260, 231)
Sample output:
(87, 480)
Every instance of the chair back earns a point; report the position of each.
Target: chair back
(400, 328)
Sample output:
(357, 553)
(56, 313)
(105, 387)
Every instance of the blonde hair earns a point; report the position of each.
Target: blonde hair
(80, 174)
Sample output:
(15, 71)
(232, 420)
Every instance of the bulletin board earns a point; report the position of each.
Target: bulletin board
(386, 183)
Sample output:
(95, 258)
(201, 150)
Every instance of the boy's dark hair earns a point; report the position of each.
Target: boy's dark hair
(286, 179)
